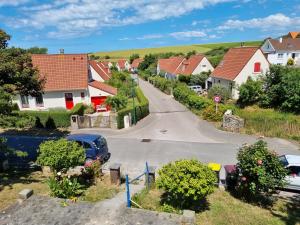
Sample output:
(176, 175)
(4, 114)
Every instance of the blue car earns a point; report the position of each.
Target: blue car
(95, 146)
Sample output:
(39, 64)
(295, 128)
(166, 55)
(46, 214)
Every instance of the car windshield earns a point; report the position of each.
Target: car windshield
(100, 142)
(283, 160)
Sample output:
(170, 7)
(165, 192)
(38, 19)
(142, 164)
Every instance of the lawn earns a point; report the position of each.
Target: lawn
(271, 123)
(201, 48)
(13, 182)
(222, 208)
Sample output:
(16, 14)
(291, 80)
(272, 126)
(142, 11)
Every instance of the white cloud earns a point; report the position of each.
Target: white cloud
(188, 34)
(272, 22)
(12, 2)
(80, 17)
(150, 36)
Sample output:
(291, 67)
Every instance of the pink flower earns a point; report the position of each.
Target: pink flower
(244, 178)
(259, 162)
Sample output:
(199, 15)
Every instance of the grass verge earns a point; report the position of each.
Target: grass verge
(222, 208)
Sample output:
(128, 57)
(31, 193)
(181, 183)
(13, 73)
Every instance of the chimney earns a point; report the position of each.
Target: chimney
(280, 40)
(61, 51)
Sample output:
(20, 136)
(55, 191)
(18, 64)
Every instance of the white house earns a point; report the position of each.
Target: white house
(174, 66)
(99, 71)
(280, 50)
(123, 64)
(237, 66)
(67, 82)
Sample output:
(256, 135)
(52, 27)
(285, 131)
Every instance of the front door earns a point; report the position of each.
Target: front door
(69, 100)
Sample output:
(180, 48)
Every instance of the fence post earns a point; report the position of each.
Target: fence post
(147, 175)
(128, 192)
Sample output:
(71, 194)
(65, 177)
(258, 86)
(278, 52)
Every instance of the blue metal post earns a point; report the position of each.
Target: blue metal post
(128, 192)
(147, 175)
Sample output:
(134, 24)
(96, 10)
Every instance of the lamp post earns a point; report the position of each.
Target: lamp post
(133, 103)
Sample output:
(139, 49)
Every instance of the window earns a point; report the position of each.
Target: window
(24, 101)
(86, 145)
(39, 100)
(256, 67)
(203, 65)
(82, 95)
(280, 55)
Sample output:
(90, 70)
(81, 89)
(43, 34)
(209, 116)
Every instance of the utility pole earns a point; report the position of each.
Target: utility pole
(133, 103)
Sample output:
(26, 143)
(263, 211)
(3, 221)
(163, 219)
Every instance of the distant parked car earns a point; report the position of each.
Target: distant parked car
(95, 146)
(292, 164)
(196, 88)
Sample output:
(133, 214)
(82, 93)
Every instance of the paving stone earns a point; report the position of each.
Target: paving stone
(25, 193)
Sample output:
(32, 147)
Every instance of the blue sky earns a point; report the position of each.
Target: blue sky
(102, 25)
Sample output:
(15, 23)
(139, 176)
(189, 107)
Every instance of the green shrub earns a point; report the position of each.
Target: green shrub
(60, 155)
(117, 102)
(260, 172)
(162, 84)
(63, 187)
(54, 117)
(199, 79)
(198, 102)
(16, 121)
(210, 114)
(186, 182)
(6, 105)
(219, 90)
(250, 92)
(184, 78)
(89, 109)
(141, 109)
(181, 93)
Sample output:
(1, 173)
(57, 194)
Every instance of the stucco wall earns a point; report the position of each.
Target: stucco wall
(54, 100)
(248, 71)
(273, 57)
(203, 66)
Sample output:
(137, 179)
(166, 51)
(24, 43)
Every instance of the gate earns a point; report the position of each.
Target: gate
(128, 182)
(94, 121)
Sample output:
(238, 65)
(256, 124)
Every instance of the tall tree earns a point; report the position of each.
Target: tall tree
(4, 38)
(37, 50)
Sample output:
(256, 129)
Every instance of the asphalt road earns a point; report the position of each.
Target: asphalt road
(171, 132)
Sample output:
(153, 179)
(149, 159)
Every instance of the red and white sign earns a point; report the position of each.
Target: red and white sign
(217, 99)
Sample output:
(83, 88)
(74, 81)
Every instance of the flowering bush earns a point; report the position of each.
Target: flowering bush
(64, 187)
(259, 170)
(185, 182)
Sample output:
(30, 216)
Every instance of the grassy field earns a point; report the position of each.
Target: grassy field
(222, 208)
(201, 48)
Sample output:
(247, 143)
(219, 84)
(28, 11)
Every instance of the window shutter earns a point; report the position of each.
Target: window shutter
(257, 67)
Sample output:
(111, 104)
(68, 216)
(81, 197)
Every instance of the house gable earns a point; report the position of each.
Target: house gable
(267, 47)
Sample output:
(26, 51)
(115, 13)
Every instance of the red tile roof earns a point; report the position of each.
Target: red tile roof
(233, 62)
(104, 87)
(102, 69)
(62, 71)
(136, 63)
(121, 63)
(189, 65)
(170, 65)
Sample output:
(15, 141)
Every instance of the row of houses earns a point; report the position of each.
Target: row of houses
(238, 64)
(73, 78)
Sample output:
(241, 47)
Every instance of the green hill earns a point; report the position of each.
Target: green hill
(201, 48)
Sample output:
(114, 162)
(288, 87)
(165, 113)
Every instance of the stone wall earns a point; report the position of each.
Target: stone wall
(231, 122)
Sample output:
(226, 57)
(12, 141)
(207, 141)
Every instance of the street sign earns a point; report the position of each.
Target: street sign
(217, 99)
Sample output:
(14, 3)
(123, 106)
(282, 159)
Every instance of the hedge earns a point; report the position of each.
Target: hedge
(54, 117)
(141, 109)
(162, 84)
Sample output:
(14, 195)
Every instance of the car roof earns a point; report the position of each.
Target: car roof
(83, 137)
(293, 159)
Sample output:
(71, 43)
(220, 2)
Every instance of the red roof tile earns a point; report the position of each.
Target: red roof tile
(170, 65)
(62, 71)
(233, 62)
(104, 87)
(136, 63)
(101, 69)
(121, 63)
(189, 65)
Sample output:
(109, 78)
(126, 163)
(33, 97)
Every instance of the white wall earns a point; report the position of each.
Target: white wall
(55, 99)
(203, 66)
(273, 57)
(95, 75)
(248, 71)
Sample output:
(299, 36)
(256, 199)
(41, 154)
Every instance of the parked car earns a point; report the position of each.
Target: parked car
(292, 164)
(95, 146)
(196, 88)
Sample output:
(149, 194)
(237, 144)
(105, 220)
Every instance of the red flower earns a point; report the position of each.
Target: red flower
(259, 162)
